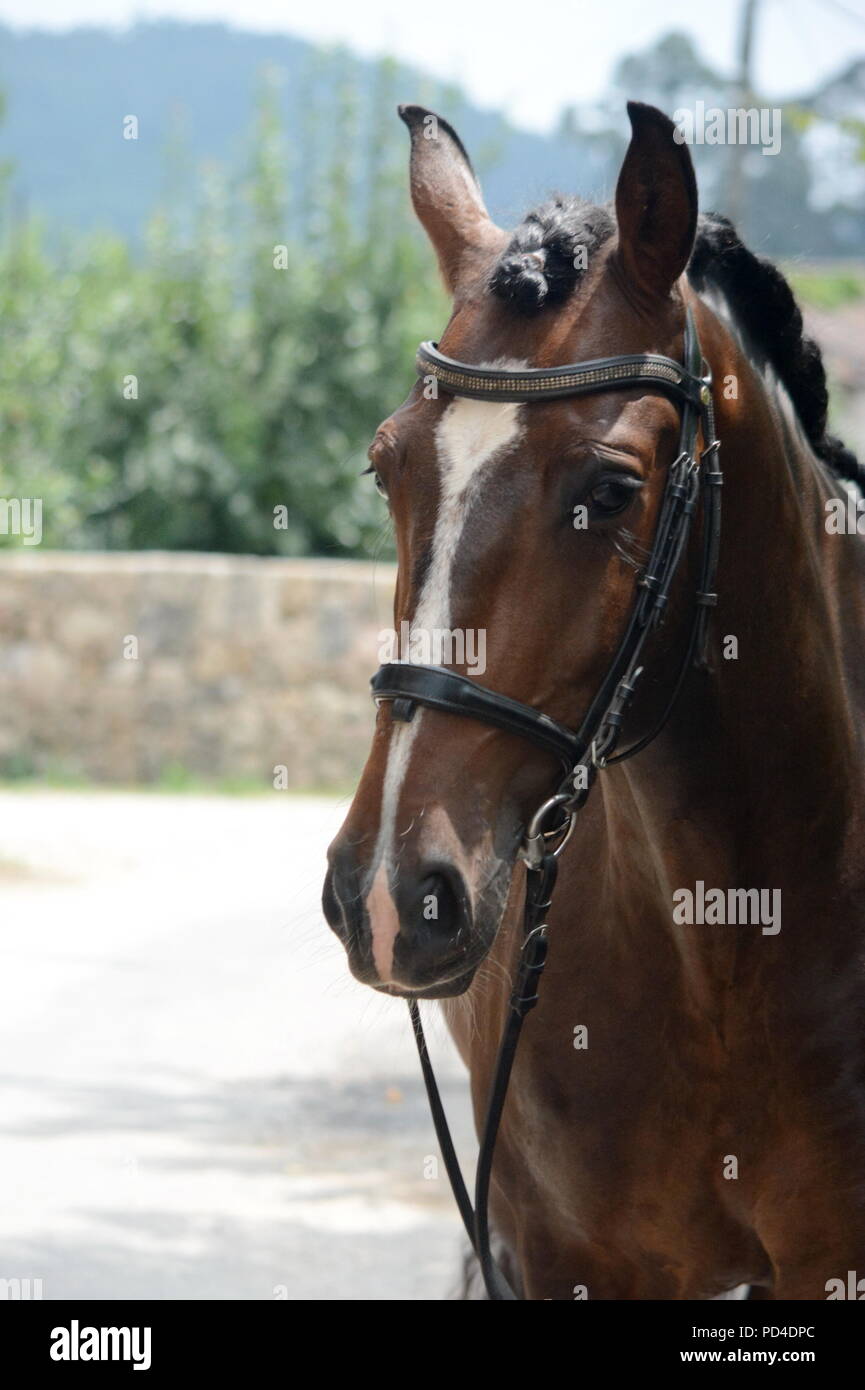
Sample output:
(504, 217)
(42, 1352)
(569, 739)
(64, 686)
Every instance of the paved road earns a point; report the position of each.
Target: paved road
(197, 1100)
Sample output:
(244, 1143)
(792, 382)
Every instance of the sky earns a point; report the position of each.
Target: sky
(528, 58)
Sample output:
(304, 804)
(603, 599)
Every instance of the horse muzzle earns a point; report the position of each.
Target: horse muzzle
(411, 933)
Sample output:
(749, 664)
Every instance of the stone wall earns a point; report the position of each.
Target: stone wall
(150, 666)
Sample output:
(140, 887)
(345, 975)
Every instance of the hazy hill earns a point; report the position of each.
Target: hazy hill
(194, 86)
(193, 89)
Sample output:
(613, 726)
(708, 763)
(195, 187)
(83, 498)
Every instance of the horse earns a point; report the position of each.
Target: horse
(686, 1112)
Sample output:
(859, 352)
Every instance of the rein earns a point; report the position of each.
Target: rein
(586, 751)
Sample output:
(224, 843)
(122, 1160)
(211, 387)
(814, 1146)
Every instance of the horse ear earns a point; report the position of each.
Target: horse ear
(656, 203)
(447, 196)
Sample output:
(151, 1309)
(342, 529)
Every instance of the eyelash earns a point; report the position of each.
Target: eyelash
(624, 483)
(377, 480)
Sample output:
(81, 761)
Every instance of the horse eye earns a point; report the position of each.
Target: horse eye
(613, 493)
(377, 479)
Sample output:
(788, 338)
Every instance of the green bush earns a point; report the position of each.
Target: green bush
(259, 374)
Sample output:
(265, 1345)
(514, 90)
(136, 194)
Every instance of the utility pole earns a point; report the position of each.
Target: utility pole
(736, 198)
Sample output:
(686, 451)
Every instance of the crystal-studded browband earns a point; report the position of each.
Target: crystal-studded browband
(549, 383)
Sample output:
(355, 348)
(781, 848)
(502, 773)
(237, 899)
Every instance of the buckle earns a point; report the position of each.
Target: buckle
(534, 846)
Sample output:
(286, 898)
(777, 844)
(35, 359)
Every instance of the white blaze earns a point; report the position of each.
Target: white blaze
(470, 435)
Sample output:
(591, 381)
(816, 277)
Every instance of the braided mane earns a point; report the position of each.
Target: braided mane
(542, 265)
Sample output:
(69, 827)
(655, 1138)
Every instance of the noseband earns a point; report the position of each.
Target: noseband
(585, 751)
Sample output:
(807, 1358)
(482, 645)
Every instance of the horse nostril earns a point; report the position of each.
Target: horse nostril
(439, 901)
(434, 909)
(435, 923)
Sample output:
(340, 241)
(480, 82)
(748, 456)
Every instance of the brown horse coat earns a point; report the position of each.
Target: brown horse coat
(687, 1109)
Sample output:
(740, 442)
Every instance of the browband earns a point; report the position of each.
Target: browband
(550, 383)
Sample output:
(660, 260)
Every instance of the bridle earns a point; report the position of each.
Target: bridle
(585, 752)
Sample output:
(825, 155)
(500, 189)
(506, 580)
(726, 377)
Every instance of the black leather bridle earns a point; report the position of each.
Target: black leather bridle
(584, 752)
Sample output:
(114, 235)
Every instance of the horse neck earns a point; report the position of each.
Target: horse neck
(767, 740)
